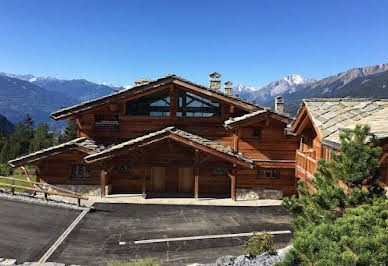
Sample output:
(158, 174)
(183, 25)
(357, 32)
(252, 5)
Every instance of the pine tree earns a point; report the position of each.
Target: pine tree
(42, 138)
(357, 167)
(69, 133)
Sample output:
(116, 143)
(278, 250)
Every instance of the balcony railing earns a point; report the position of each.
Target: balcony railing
(305, 166)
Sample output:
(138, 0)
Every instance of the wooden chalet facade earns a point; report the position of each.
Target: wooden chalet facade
(319, 123)
(171, 136)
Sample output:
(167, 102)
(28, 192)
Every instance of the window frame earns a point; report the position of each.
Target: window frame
(75, 168)
(165, 109)
(274, 173)
(259, 130)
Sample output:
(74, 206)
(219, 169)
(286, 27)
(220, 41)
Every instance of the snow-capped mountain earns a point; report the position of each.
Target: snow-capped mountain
(285, 85)
(79, 89)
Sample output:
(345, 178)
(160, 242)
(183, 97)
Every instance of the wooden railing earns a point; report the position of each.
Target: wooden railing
(40, 188)
(305, 165)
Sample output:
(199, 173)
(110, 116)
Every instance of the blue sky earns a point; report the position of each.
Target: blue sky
(248, 42)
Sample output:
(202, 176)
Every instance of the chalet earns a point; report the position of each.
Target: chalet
(319, 123)
(173, 136)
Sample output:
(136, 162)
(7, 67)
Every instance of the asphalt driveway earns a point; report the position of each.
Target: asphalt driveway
(109, 233)
(27, 230)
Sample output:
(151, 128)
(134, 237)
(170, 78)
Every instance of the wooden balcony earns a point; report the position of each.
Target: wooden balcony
(305, 165)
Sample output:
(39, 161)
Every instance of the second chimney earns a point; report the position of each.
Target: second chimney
(228, 87)
(279, 104)
(215, 81)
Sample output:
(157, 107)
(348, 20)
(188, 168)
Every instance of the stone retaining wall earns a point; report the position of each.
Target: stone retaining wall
(85, 190)
(258, 193)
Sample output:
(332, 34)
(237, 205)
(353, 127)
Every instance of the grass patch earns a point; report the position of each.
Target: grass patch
(18, 183)
(141, 262)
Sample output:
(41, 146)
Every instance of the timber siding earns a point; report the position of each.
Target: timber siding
(320, 122)
(172, 153)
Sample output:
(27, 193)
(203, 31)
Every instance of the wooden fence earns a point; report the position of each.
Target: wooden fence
(39, 187)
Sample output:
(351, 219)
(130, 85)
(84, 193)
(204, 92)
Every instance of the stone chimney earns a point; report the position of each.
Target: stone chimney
(215, 81)
(279, 104)
(141, 82)
(228, 87)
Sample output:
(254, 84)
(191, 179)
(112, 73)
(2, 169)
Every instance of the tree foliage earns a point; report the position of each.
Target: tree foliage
(259, 243)
(345, 189)
(27, 138)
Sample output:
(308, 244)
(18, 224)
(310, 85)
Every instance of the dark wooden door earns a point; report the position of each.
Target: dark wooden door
(172, 179)
(158, 179)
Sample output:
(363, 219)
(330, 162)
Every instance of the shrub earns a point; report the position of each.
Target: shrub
(359, 237)
(19, 170)
(342, 225)
(5, 170)
(259, 243)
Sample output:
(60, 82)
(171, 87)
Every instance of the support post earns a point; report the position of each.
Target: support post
(143, 187)
(236, 139)
(196, 181)
(196, 174)
(232, 175)
(233, 187)
(12, 188)
(103, 182)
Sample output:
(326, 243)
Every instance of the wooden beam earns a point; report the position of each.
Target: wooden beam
(196, 181)
(143, 187)
(204, 159)
(210, 150)
(232, 176)
(173, 101)
(103, 182)
(236, 139)
(382, 159)
(213, 95)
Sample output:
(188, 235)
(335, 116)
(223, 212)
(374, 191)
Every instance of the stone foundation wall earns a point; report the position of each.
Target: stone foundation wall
(86, 190)
(258, 193)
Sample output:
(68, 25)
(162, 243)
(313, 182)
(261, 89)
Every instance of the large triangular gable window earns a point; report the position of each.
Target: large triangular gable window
(156, 104)
(192, 105)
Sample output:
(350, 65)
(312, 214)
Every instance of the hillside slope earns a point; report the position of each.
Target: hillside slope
(18, 97)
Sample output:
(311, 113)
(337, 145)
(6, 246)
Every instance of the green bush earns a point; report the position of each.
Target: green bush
(359, 237)
(20, 171)
(141, 262)
(5, 170)
(337, 226)
(259, 243)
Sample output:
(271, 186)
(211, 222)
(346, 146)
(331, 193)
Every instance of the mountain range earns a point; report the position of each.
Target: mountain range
(371, 81)
(39, 96)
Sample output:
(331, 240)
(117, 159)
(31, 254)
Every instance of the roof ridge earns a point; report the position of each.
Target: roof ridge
(56, 114)
(346, 99)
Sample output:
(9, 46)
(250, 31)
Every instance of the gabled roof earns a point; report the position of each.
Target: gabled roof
(180, 136)
(254, 116)
(122, 94)
(331, 116)
(85, 145)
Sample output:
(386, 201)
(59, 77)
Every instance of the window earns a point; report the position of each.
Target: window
(219, 171)
(80, 171)
(269, 173)
(125, 169)
(106, 121)
(192, 105)
(156, 104)
(256, 133)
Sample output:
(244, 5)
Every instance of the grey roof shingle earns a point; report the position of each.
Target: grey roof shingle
(233, 120)
(178, 132)
(346, 113)
(86, 143)
(136, 89)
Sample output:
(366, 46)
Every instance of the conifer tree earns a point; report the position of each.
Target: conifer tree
(42, 138)
(69, 133)
(344, 183)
